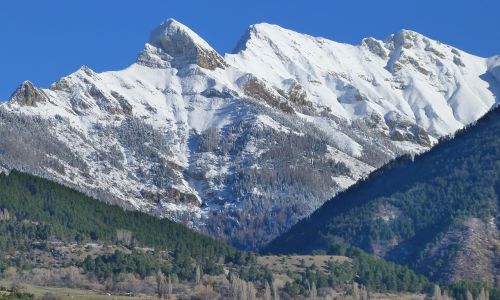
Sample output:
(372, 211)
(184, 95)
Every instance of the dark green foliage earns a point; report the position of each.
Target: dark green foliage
(380, 275)
(20, 236)
(293, 288)
(107, 266)
(458, 290)
(495, 294)
(17, 296)
(144, 264)
(256, 273)
(14, 294)
(372, 272)
(41, 209)
(314, 275)
(15, 234)
(339, 272)
(336, 275)
(406, 207)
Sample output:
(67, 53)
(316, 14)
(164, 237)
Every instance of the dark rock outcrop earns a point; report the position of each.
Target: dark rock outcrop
(28, 95)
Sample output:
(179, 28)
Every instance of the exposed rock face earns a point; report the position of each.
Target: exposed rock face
(297, 94)
(376, 47)
(154, 58)
(215, 93)
(477, 256)
(210, 60)
(405, 45)
(405, 39)
(28, 95)
(402, 129)
(255, 88)
(178, 45)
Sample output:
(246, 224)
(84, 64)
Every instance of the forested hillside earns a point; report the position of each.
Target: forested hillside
(437, 212)
(53, 235)
(69, 215)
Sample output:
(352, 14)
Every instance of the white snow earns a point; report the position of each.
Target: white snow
(162, 34)
(437, 94)
(267, 121)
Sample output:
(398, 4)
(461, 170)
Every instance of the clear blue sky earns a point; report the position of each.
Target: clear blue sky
(42, 41)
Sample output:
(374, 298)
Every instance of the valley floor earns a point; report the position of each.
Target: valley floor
(68, 293)
(46, 292)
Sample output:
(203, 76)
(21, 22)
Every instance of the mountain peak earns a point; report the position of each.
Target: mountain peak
(172, 44)
(258, 31)
(263, 27)
(27, 94)
(170, 32)
(407, 38)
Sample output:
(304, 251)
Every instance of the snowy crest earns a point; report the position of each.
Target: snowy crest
(173, 44)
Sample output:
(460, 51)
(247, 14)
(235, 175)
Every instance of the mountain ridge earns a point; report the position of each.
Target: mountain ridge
(242, 146)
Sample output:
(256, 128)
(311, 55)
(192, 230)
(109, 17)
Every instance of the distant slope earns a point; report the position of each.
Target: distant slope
(438, 213)
(71, 215)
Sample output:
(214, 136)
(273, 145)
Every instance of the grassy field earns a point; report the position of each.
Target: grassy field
(297, 263)
(68, 293)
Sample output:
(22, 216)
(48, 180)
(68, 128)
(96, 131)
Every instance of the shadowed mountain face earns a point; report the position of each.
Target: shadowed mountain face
(243, 145)
(437, 212)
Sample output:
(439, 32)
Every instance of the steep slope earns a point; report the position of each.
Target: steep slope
(231, 147)
(437, 212)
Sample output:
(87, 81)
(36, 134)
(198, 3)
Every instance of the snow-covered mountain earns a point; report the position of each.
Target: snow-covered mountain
(243, 145)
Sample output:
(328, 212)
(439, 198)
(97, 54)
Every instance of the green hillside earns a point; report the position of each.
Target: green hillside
(437, 213)
(65, 214)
